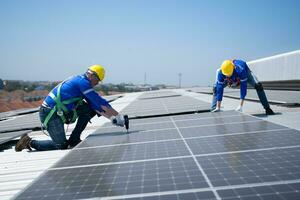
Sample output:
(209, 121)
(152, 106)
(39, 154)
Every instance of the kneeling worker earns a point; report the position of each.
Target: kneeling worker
(73, 98)
(237, 72)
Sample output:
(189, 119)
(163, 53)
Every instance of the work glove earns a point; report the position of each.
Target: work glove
(216, 110)
(118, 120)
(239, 108)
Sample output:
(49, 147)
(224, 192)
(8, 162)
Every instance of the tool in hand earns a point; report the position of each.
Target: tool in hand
(126, 119)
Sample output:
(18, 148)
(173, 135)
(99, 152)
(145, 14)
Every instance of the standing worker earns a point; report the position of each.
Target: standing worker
(73, 98)
(237, 73)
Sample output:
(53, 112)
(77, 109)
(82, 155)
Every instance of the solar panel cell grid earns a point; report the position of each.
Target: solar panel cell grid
(111, 138)
(119, 153)
(207, 195)
(118, 179)
(230, 128)
(224, 155)
(206, 115)
(214, 121)
(240, 142)
(161, 106)
(252, 167)
(281, 191)
(137, 127)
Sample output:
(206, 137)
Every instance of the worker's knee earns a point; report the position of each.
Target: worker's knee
(63, 145)
(214, 89)
(258, 86)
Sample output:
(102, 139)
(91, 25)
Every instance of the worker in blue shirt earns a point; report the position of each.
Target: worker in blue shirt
(237, 73)
(72, 99)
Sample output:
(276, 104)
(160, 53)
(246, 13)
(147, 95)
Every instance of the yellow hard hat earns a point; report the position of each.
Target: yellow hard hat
(99, 70)
(227, 68)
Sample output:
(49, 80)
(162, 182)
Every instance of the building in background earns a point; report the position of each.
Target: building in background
(278, 72)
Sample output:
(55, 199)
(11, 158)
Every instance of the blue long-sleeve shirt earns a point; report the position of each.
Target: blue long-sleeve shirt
(78, 86)
(240, 74)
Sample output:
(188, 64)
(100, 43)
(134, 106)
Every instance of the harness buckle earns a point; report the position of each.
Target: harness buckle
(60, 113)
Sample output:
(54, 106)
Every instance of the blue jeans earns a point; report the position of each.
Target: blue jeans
(55, 128)
(253, 81)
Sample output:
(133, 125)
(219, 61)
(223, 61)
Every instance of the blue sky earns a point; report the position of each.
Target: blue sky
(52, 40)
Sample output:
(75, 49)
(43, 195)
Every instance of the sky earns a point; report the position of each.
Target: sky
(50, 40)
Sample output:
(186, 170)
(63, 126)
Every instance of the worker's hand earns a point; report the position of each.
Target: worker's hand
(118, 120)
(239, 108)
(217, 109)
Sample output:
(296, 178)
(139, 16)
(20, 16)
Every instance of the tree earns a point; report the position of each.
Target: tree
(12, 85)
(1, 84)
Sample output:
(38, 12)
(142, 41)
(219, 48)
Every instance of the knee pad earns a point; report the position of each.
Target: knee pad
(259, 87)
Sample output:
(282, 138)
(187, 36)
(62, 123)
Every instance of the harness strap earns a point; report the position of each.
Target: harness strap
(60, 107)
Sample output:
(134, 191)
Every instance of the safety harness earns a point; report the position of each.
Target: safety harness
(61, 110)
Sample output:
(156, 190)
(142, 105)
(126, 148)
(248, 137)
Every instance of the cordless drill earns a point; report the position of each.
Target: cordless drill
(126, 119)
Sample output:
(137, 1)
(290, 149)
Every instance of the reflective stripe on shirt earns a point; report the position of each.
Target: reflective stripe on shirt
(87, 91)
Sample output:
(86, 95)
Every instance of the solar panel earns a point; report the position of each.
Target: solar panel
(28, 121)
(274, 96)
(240, 142)
(118, 137)
(208, 195)
(4, 137)
(5, 115)
(124, 152)
(224, 155)
(204, 90)
(164, 106)
(280, 191)
(276, 165)
(230, 128)
(111, 98)
(158, 94)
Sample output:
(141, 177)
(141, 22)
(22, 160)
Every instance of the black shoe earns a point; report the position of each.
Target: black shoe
(74, 143)
(269, 111)
(23, 143)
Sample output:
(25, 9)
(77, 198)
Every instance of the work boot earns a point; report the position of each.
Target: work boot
(269, 111)
(23, 143)
(74, 143)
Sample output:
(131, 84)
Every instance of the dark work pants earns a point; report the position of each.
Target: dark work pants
(253, 81)
(55, 128)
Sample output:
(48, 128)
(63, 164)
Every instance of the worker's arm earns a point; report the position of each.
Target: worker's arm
(105, 109)
(99, 104)
(113, 115)
(108, 112)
